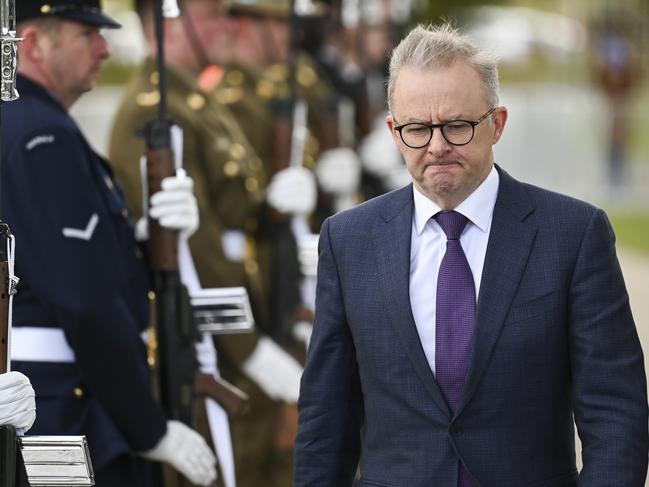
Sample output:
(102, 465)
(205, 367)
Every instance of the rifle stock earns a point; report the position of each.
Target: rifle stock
(229, 397)
(163, 243)
(8, 441)
(4, 300)
(12, 469)
(8, 452)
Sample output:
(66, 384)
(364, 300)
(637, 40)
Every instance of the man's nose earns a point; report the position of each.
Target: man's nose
(438, 144)
(102, 50)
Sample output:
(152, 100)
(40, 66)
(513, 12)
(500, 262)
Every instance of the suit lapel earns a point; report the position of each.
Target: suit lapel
(391, 237)
(508, 249)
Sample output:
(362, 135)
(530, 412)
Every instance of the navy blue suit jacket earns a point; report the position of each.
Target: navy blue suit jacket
(553, 336)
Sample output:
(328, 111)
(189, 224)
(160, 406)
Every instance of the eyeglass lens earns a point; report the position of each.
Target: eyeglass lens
(419, 135)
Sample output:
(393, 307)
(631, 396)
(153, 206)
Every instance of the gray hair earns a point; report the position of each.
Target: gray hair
(435, 46)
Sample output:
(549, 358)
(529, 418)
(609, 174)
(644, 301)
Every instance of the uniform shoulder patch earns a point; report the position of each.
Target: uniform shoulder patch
(39, 140)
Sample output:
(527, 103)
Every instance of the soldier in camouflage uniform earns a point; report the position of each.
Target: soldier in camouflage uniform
(233, 192)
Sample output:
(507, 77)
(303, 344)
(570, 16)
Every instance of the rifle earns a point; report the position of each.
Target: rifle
(289, 134)
(12, 469)
(177, 334)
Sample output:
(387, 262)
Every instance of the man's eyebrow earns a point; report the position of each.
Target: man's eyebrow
(451, 118)
(416, 120)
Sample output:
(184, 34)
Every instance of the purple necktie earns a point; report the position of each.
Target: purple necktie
(454, 316)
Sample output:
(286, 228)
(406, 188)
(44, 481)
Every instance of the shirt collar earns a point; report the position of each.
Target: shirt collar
(478, 207)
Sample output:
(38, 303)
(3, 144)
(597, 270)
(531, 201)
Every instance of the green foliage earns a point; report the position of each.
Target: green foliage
(632, 230)
(436, 11)
(115, 73)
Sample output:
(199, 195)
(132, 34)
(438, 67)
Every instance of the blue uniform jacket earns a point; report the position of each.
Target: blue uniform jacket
(80, 270)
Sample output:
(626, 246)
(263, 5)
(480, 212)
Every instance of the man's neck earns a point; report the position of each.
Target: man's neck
(38, 76)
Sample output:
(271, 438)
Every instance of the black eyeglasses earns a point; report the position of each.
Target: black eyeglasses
(456, 132)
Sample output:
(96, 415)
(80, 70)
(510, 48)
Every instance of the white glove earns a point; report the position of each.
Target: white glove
(175, 206)
(378, 152)
(339, 171)
(186, 451)
(275, 371)
(17, 401)
(302, 331)
(293, 190)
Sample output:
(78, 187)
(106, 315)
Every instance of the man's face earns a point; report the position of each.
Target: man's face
(212, 27)
(276, 35)
(262, 40)
(446, 173)
(73, 56)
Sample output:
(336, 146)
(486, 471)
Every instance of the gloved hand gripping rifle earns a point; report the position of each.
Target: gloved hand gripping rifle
(12, 469)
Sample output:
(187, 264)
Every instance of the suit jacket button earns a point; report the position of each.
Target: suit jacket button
(456, 430)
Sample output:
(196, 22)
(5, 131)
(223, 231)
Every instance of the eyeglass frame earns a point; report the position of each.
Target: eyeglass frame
(433, 126)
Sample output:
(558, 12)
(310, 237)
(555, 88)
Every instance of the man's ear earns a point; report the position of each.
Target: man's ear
(499, 120)
(389, 121)
(31, 48)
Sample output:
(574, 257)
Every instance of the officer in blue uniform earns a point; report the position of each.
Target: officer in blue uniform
(82, 303)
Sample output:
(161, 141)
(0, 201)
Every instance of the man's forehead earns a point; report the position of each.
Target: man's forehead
(457, 90)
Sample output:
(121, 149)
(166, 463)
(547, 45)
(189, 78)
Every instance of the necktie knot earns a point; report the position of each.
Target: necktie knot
(452, 223)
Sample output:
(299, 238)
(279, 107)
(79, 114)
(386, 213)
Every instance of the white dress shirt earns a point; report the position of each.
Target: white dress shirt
(428, 245)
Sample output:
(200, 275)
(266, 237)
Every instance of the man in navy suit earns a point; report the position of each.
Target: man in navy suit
(463, 321)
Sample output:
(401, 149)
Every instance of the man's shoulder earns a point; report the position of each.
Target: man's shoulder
(32, 112)
(546, 203)
(365, 215)
(30, 125)
(553, 203)
(140, 103)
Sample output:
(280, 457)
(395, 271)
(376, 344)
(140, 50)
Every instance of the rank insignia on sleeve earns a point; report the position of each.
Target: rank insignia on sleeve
(82, 233)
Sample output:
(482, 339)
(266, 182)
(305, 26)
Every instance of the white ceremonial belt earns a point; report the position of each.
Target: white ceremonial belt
(40, 344)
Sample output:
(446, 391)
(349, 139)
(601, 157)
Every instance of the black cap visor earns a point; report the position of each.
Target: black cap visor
(90, 17)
